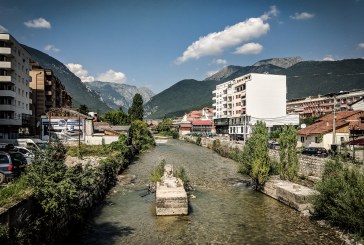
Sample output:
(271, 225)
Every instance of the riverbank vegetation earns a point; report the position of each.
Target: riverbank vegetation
(64, 194)
(341, 196)
(165, 128)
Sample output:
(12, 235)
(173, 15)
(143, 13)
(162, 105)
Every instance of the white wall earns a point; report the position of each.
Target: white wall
(266, 96)
(326, 140)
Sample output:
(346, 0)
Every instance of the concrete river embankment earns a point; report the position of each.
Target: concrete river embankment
(223, 212)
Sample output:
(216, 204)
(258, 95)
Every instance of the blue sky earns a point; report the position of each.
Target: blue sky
(156, 43)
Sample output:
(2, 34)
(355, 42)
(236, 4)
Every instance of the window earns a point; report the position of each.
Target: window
(302, 139)
(342, 139)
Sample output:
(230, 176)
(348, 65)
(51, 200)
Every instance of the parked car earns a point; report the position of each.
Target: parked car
(274, 145)
(28, 154)
(12, 163)
(315, 151)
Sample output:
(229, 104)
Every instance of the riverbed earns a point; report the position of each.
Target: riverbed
(224, 211)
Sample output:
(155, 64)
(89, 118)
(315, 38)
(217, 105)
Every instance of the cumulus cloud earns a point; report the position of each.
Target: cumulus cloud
(216, 42)
(273, 11)
(328, 57)
(38, 23)
(302, 16)
(3, 29)
(249, 48)
(219, 62)
(361, 46)
(112, 76)
(52, 48)
(81, 72)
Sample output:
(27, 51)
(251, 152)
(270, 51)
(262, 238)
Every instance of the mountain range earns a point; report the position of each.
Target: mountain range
(98, 96)
(304, 78)
(117, 95)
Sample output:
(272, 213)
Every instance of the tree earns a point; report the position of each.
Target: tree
(165, 125)
(256, 161)
(116, 117)
(83, 109)
(288, 165)
(136, 111)
(140, 135)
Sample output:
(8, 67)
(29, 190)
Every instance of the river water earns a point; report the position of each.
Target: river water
(223, 212)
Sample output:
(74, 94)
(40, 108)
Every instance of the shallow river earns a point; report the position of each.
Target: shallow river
(223, 211)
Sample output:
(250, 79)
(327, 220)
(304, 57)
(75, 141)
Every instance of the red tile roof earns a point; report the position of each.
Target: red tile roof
(201, 122)
(324, 125)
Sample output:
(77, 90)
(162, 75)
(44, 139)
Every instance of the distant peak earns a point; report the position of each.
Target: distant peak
(280, 62)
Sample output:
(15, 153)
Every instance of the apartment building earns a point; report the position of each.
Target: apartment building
(317, 106)
(15, 93)
(48, 92)
(240, 103)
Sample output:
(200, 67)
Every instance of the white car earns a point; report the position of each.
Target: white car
(26, 152)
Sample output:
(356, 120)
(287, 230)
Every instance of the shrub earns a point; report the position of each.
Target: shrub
(182, 174)
(288, 166)
(341, 198)
(198, 141)
(158, 172)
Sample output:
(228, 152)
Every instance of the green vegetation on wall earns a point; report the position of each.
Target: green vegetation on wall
(288, 164)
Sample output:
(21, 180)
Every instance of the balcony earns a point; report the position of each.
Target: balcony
(4, 107)
(48, 92)
(5, 65)
(48, 82)
(6, 51)
(10, 122)
(213, 98)
(5, 79)
(7, 93)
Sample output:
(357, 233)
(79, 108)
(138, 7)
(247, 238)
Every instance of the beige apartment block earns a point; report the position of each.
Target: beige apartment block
(48, 92)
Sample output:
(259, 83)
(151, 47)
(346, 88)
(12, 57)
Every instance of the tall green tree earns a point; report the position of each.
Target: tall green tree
(140, 135)
(83, 109)
(255, 159)
(288, 165)
(165, 125)
(136, 111)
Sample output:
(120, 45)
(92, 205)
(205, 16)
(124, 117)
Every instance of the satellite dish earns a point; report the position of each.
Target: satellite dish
(303, 125)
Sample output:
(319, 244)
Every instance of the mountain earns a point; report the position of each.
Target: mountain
(280, 62)
(117, 95)
(304, 78)
(79, 92)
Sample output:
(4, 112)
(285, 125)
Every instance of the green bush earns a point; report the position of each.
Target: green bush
(182, 174)
(158, 172)
(341, 198)
(198, 141)
(141, 136)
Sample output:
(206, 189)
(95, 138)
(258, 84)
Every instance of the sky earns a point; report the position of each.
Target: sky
(156, 43)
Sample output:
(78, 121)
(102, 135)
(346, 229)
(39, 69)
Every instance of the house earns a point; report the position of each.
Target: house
(198, 121)
(348, 125)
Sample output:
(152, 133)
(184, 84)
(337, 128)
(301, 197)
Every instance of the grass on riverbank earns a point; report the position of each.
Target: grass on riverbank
(89, 150)
(14, 192)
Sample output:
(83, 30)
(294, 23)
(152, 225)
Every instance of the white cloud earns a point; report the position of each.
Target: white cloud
(3, 29)
(249, 48)
(361, 46)
(328, 57)
(52, 48)
(112, 76)
(81, 72)
(216, 42)
(219, 62)
(38, 23)
(273, 11)
(302, 16)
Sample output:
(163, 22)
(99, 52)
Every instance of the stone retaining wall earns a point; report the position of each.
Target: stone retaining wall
(309, 165)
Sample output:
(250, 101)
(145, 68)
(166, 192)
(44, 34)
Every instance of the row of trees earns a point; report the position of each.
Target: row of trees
(255, 159)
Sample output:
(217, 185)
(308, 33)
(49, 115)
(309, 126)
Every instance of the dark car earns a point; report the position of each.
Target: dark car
(11, 165)
(274, 145)
(315, 151)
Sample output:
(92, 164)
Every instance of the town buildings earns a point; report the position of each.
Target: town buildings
(15, 93)
(27, 91)
(240, 103)
(317, 106)
(48, 92)
(197, 122)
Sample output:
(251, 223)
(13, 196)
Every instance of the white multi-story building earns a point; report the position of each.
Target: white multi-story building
(15, 93)
(241, 102)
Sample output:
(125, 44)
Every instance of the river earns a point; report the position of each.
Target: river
(223, 212)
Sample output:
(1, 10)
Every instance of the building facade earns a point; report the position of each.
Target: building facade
(241, 102)
(15, 93)
(317, 106)
(48, 92)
